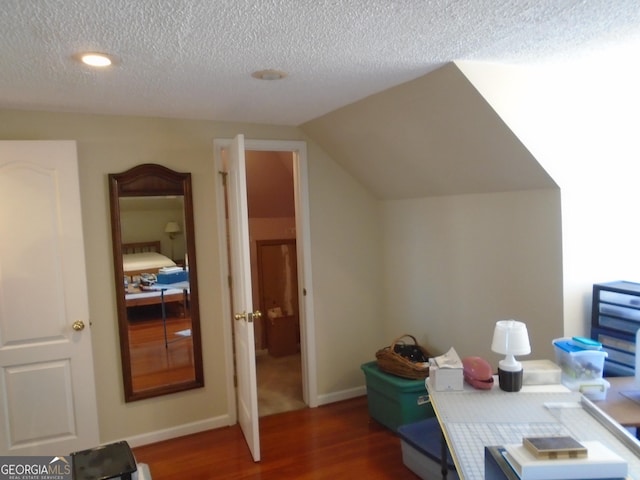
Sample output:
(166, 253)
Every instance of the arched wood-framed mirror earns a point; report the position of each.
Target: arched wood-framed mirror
(156, 281)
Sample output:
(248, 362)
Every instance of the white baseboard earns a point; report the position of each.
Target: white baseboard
(341, 395)
(179, 431)
(225, 420)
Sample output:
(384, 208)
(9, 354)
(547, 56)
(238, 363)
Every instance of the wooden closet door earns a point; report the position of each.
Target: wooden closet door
(278, 280)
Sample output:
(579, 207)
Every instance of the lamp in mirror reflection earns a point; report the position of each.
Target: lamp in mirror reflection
(172, 229)
(510, 338)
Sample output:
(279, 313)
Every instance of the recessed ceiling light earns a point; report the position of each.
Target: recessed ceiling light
(94, 59)
(269, 74)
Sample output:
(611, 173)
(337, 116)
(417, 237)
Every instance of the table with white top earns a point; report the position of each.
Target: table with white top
(473, 419)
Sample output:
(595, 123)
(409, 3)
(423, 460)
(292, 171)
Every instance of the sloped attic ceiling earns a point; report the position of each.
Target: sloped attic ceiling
(432, 136)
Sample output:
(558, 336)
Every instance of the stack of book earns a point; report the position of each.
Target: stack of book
(554, 458)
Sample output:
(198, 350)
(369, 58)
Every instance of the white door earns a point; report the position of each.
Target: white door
(47, 391)
(242, 302)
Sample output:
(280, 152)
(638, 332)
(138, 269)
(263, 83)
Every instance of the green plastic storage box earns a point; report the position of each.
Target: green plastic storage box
(394, 401)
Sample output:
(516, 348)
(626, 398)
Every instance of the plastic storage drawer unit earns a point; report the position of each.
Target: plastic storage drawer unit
(615, 319)
(394, 401)
(421, 445)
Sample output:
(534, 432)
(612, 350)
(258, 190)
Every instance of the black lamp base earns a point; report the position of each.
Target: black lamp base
(510, 381)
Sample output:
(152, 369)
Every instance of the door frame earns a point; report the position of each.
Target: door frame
(303, 241)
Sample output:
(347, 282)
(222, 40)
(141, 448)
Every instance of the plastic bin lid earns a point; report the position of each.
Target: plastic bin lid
(567, 346)
(571, 346)
(587, 343)
(401, 384)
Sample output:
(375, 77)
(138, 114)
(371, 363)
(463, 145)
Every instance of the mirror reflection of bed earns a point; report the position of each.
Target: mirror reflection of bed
(160, 341)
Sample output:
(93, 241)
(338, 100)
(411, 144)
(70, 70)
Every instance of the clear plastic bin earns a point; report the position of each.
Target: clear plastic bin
(576, 363)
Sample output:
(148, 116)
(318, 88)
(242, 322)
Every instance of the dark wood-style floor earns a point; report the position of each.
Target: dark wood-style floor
(334, 441)
(153, 363)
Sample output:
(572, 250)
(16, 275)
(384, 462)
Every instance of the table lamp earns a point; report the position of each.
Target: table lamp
(510, 338)
(172, 229)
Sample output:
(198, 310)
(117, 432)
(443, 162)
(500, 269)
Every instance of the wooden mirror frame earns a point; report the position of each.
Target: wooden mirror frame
(143, 181)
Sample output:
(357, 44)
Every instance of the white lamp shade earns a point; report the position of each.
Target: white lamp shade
(172, 227)
(510, 337)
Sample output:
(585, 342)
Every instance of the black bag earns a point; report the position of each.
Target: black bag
(410, 352)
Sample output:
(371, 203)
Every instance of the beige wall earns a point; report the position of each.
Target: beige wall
(143, 225)
(443, 268)
(457, 255)
(346, 240)
(344, 253)
(579, 118)
(432, 136)
(455, 265)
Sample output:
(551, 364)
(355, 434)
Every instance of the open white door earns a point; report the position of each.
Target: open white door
(47, 391)
(242, 303)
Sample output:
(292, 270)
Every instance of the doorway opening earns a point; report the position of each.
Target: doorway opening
(274, 279)
(296, 165)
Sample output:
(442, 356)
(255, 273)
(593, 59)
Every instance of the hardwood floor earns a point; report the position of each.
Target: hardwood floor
(334, 441)
(153, 363)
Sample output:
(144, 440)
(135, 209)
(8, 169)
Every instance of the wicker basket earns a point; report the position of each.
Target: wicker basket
(391, 362)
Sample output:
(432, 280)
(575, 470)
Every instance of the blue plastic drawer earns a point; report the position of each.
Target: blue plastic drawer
(626, 313)
(620, 298)
(618, 324)
(612, 369)
(623, 342)
(421, 445)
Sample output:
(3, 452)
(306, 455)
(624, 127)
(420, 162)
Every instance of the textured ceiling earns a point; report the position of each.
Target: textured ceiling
(194, 58)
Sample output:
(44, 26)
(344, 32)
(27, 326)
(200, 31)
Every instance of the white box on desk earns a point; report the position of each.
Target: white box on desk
(540, 372)
(446, 378)
(446, 371)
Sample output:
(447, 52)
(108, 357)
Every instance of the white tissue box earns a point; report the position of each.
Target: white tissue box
(446, 378)
(446, 371)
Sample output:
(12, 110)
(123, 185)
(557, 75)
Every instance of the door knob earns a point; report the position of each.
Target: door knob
(78, 325)
(249, 317)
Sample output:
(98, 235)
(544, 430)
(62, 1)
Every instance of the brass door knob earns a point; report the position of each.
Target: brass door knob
(78, 325)
(249, 317)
